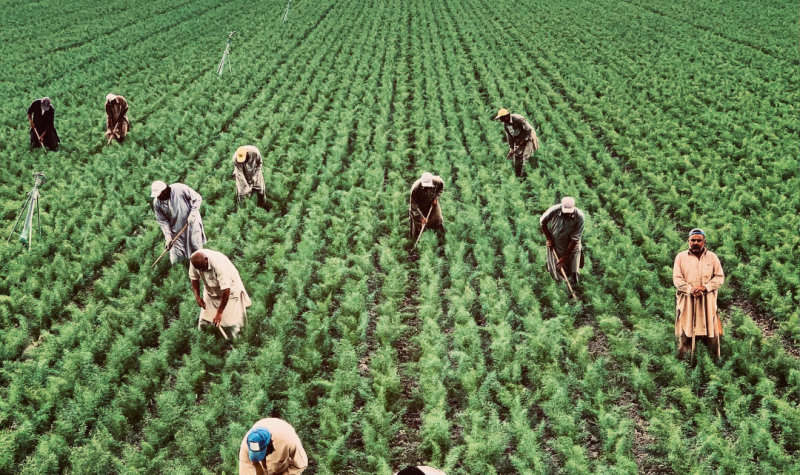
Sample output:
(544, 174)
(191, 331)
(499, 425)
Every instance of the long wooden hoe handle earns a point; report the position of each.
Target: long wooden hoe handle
(40, 140)
(422, 230)
(563, 274)
(173, 240)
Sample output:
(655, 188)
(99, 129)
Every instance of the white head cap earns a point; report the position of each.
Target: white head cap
(156, 188)
(567, 204)
(427, 180)
(46, 102)
(110, 97)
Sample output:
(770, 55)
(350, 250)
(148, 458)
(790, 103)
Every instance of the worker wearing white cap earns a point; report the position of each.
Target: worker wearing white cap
(420, 470)
(117, 123)
(177, 206)
(521, 139)
(247, 171)
(562, 225)
(41, 117)
(272, 447)
(423, 205)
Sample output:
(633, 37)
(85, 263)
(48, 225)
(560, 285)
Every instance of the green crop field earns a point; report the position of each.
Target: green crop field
(656, 116)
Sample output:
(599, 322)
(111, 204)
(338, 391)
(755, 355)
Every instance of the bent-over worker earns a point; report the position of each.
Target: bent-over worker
(420, 470)
(176, 206)
(247, 170)
(521, 138)
(424, 201)
(224, 302)
(697, 274)
(41, 117)
(562, 226)
(117, 123)
(272, 447)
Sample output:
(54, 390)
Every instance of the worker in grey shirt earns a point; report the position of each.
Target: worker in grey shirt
(176, 206)
(562, 225)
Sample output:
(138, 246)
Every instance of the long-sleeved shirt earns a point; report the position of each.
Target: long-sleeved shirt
(690, 271)
(249, 175)
(173, 213)
(421, 197)
(518, 130)
(116, 113)
(289, 457)
(221, 275)
(563, 228)
(44, 120)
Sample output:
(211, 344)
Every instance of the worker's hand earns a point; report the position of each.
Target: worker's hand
(510, 153)
(218, 318)
(436, 201)
(561, 262)
(32, 126)
(191, 219)
(424, 221)
(200, 302)
(549, 243)
(168, 244)
(699, 290)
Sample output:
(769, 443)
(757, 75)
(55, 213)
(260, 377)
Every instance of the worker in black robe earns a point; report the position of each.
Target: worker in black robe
(41, 116)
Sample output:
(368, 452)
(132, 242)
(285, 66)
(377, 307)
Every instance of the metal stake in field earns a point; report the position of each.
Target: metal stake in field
(26, 236)
(563, 274)
(225, 55)
(422, 229)
(286, 12)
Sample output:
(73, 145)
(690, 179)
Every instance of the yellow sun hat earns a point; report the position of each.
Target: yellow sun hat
(501, 113)
(241, 154)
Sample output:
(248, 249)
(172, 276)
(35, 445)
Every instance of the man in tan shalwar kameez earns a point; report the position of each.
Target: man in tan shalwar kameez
(272, 447)
(117, 123)
(224, 302)
(697, 274)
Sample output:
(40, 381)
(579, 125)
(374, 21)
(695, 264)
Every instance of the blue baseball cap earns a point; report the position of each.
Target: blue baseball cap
(257, 442)
(696, 231)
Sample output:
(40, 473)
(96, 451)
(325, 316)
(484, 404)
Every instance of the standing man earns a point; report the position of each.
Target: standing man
(224, 302)
(272, 447)
(41, 117)
(117, 123)
(247, 170)
(424, 202)
(521, 139)
(420, 470)
(177, 206)
(562, 226)
(697, 274)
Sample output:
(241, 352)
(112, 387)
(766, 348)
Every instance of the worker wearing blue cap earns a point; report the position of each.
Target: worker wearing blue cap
(272, 447)
(697, 274)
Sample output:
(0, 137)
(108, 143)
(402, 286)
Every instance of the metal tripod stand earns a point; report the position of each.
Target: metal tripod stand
(26, 236)
(286, 12)
(225, 55)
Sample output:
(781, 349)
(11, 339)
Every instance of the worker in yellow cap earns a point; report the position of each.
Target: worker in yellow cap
(521, 139)
(247, 164)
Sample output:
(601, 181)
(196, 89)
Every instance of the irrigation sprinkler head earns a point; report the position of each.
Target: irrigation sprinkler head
(230, 35)
(38, 179)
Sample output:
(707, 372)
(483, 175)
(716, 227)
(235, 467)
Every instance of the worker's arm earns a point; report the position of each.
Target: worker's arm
(543, 225)
(197, 297)
(562, 261)
(226, 294)
(163, 223)
(678, 278)
(30, 119)
(718, 277)
(414, 207)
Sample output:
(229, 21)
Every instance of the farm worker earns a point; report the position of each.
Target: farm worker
(177, 206)
(117, 123)
(521, 139)
(41, 116)
(224, 301)
(271, 447)
(247, 164)
(420, 470)
(562, 226)
(424, 201)
(697, 274)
